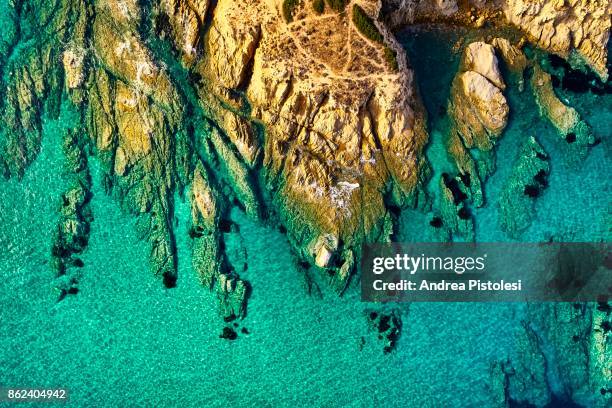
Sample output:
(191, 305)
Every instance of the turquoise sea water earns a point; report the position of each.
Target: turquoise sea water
(125, 340)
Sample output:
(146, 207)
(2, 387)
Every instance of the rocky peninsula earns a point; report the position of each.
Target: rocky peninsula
(304, 114)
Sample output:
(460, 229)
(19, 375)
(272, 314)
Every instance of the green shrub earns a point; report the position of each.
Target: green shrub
(391, 58)
(365, 25)
(337, 5)
(318, 6)
(288, 8)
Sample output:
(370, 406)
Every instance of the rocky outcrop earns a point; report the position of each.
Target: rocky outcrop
(31, 80)
(312, 121)
(511, 54)
(576, 30)
(342, 131)
(182, 22)
(526, 183)
(575, 133)
(478, 106)
(207, 208)
(559, 358)
(478, 113)
(72, 233)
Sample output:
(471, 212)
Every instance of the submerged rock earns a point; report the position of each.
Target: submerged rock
(386, 327)
(527, 180)
(232, 294)
(228, 333)
(560, 359)
(75, 216)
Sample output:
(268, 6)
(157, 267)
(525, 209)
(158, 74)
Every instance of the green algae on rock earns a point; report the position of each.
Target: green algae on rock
(72, 232)
(525, 184)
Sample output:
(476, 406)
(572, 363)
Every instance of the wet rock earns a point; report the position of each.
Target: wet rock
(478, 106)
(323, 250)
(511, 54)
(232, 294)
(207, 257)
(565, 28)
(182, 21)
(453, 211)
(479, 109)
(479, 113)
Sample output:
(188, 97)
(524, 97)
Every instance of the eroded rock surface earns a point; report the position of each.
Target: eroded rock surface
(574, 131)
(478, 113)
(573, 29)
(293, 113)
(342, 130)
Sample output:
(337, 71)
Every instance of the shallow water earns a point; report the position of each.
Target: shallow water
(125, 340)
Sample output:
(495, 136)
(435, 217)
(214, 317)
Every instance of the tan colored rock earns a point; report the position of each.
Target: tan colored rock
(121, 161)
(232, 40)
(242, 135)
(206, 208)
(323, 250)
(185, 17)
(339, 128)
(563, 26)
(576, 135)
(489, 103)
(117, 44)
(73, 67)
(135, 126)
(511, 54)
(480, 57)
(563, 117)
(478, 106)
(576, 30)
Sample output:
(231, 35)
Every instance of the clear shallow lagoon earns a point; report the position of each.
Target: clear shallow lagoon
(125, 340)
